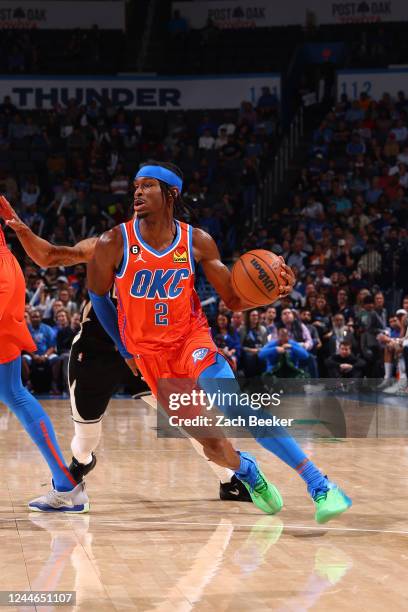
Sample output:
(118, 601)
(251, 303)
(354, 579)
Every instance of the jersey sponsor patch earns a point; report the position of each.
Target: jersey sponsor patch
(134, 249)
(180, 255)
(199, 354)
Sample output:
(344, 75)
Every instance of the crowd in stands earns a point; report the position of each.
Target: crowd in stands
(320, 335)
(68, 173)
(53, 329)
(77, 51)
(214, 49)
(344, 232)
(176, 48)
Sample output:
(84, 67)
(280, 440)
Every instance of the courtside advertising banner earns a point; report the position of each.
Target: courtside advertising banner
(373, 82)
(62, 15)
(258, 14)
(170, 93)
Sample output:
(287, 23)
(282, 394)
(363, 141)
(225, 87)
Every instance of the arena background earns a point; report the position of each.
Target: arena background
(290, 123)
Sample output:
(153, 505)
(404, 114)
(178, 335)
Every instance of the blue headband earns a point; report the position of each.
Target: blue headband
(161, 174)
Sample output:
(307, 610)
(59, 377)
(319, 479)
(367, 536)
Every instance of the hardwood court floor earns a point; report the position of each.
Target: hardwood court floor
(158, 538)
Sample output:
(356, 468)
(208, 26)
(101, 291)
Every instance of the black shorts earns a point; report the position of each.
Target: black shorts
(93, 378)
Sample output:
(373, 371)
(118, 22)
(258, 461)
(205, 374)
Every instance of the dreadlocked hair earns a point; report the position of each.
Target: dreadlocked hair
(182, 210)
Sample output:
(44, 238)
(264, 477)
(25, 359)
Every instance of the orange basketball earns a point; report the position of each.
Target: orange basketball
(256, 277)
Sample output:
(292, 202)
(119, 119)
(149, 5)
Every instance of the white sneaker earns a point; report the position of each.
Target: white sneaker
(387, 382)
(397, 387)
(403, 392)
(70, 502)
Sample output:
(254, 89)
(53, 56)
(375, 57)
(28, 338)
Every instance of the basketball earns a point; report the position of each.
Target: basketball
(256, 277)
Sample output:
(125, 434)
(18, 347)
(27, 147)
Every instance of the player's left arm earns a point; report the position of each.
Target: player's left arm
(206, 252)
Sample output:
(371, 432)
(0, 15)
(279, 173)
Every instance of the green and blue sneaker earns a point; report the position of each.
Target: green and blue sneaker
(330, 501)
(263, 493)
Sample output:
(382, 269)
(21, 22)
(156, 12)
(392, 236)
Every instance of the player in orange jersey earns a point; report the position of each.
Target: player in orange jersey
(96, 369)
(68, 495)
(151, 260)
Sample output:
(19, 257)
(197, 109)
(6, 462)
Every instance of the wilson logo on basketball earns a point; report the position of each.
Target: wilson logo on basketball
(180, 256)
(263, 275)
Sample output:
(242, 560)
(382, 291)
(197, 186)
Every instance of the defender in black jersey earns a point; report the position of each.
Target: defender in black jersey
(96, 368)
(94, 357)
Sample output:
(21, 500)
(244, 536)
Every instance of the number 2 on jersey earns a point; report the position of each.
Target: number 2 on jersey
(160, 318)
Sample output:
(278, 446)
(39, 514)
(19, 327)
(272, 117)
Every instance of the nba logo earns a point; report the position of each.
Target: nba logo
(199, 354)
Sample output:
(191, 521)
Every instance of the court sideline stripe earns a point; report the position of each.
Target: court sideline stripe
(201, 524)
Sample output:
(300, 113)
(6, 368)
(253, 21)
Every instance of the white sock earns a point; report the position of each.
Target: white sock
(401, 368)
(224, 474)
(388, 370)
(85, 440)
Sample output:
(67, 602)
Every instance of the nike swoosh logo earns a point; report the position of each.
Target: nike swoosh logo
(66, 502)
(234, 492)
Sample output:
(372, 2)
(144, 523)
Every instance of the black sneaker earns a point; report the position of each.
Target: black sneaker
(79, 470)
(234, 491)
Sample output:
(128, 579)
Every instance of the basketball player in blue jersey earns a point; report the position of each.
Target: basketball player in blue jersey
(162, 326)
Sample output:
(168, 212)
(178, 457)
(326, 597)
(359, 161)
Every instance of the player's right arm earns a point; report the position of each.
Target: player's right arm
(101, 274)
(106, 258)
(42, 252)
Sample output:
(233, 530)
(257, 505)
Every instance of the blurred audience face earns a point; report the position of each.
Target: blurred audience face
(222, 321)
(270, 315)
(342, 297)
(379, 300)
(287, 316)
(253, 318)
(344, 350)
(222, 308)
(237, 319)
(64, 296)
(338, 321)
(361, 295)
(283, 336)
(35, 319)
(62, 318)
(310, 290)
(306, 316)
(57, 306)
(76, 321)
(394, 323)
